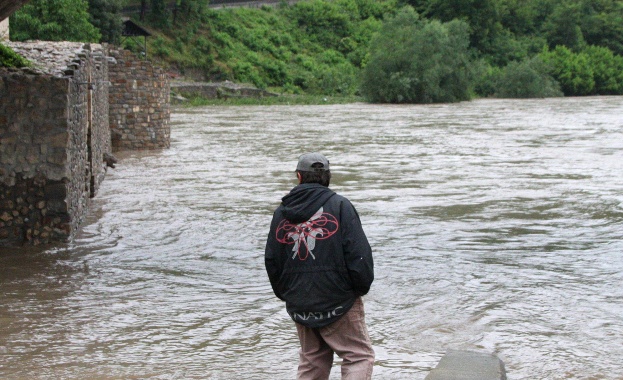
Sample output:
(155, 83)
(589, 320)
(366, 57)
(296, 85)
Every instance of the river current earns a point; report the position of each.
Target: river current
(496, 226)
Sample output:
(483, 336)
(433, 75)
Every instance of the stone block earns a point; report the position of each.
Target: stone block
(59, 140)
(57, 157)
(6, 216)
(57, 207)
(55, 191)
(468, 365)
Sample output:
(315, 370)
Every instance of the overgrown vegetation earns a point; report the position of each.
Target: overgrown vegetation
(53, 20)
(434, 51)
(313, 47)
(9, 58)
(414, 60)
(529, 78)
(105, 16)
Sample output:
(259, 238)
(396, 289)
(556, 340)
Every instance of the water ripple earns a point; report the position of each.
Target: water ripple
(496, 225)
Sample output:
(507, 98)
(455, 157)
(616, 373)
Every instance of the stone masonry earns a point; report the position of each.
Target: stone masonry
(4, 30)
(55, 133)
(53, 136)
(220, 90)
(139, 103)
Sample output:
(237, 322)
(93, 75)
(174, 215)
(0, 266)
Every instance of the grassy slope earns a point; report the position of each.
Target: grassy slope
(284, 49)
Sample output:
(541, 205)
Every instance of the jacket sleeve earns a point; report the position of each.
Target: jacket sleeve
(357, 250)
(273, 260)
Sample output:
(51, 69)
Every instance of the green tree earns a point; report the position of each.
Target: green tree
(572, 70)
(529, 78)
(603, 24)
(106, 17)
(607, 70)
(9, 58)
(520, 17)
(506, 47)
(325, 22)
(364, 9)
(333, 75)
(189, 9)
(53, 20)
(413, 60)
(563, 27)
(360, 40)
(158, 13)
(483, 16)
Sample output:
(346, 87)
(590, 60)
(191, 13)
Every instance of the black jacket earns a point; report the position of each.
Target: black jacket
(317, 256)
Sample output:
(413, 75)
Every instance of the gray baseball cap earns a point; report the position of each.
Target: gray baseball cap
(307, 160)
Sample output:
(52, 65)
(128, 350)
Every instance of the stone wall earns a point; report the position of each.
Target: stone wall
(139, 103)
(4, 30)
(33, 158)
(222, 90)
(99, 132)
(58, 122)
(53, 137)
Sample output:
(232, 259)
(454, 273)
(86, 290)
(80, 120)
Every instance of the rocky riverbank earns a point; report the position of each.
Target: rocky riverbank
(181, 91)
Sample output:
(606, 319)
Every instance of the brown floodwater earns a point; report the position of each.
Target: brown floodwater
(496, 225)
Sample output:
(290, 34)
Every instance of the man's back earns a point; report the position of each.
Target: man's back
(319, 262)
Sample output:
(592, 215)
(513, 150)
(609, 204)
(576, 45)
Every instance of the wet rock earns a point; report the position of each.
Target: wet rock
(468, 365)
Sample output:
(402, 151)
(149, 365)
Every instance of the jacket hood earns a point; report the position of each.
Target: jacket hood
(303, 201)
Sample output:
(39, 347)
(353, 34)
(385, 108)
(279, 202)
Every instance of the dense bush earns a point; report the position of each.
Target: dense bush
(529, 78)
(573, 71)
(604, 24)
(322, 47)
(53, 20)
(414, 60)
(487, 78)
(506, 47)
(572, 23)
(594, 70)
(562, 27)
(333, 75)
(504, 31)
(314, 47)
(158, 13)
(482, 16)
(9, 58)
(607, 70)
(105, 15)
(325, 22)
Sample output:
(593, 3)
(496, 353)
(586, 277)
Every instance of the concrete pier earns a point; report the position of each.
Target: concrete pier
(468, 365)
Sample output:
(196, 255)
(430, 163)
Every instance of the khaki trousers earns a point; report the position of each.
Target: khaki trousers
(347, 337)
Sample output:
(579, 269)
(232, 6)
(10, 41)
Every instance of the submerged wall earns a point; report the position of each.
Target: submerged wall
(53, 137)
(60, 121)
(33, 157)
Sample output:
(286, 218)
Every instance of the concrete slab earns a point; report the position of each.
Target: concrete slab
(468, 365)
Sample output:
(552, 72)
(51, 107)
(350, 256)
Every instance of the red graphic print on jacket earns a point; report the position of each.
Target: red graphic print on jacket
(320, 226)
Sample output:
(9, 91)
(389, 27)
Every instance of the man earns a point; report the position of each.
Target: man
(320, 263)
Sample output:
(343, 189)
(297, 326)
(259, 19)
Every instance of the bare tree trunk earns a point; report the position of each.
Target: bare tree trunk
(8, 7)
(143, 9)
